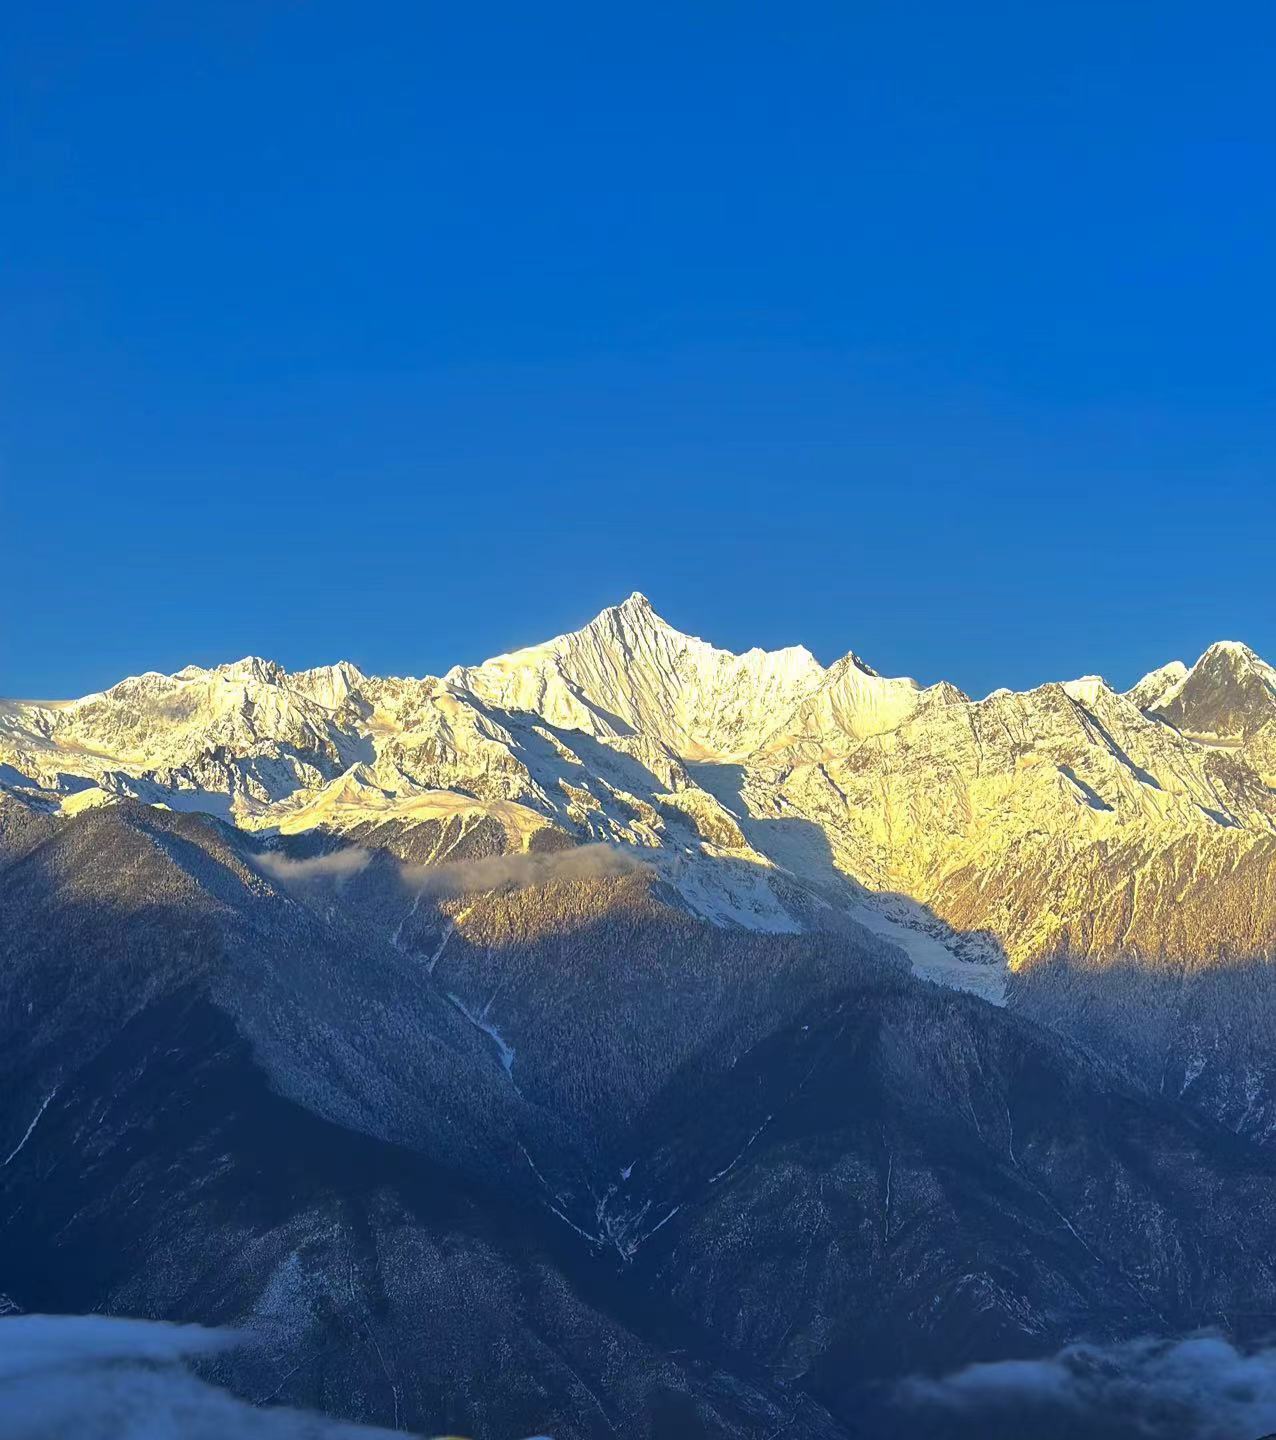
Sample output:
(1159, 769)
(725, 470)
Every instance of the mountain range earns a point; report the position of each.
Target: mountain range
(771, 792)
(626, 1037)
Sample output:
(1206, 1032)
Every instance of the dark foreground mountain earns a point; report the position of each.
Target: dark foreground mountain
(1201, 1035)
(554, 1156)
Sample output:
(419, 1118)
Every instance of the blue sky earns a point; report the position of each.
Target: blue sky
(409, 333)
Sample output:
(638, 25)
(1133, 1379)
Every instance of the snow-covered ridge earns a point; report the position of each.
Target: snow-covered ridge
(628, 672)
(1227, 696)
(768, 790)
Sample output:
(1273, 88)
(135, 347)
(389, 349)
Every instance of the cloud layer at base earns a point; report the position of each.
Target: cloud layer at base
(495, 872)
(1201, 1387)
(97, 1377)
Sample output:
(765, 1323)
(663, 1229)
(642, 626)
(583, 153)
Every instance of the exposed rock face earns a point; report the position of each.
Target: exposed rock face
(558, 1157)
(1227, 696)
(768, 791)
(475, 1123)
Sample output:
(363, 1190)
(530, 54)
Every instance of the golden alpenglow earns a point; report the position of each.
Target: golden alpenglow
(767, 791)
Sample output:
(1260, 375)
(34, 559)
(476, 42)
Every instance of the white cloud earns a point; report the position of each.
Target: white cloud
(496, 872)
(96, 1377)
(336, 865)
(1198, 1388)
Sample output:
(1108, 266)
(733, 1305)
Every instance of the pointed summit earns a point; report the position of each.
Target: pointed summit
(1232, 652)
(251, 668)
(1228, 695)
(330, 685)
(628, 670)
(635, 613)
(1086, 689)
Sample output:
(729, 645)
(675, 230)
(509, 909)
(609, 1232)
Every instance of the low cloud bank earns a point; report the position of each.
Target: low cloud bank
(97, 1377)
(504, 872)
(337, 865)
(496, 872)
(1199, 1388)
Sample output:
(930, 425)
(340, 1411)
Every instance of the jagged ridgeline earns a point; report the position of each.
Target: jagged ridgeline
(548, 1048)
(768, 791)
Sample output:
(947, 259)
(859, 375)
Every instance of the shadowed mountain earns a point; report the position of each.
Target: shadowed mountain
(560, 1157)
(1199, 1034)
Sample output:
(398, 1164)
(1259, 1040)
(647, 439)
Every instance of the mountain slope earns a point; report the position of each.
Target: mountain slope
(627, 672)
(770, 792)
(1227, 696)
(676, 1179)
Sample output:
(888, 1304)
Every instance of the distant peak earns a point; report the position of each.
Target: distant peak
(635, 607)
(1230, 650)
(1235, 658)
(1227, 695)
(1085, 689)
(852, 661)
(251, 667)
(634, 611)
(344, 669)
(1157, 685)
(1172, 670)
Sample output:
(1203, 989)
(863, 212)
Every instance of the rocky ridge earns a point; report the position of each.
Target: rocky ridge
(769, 792)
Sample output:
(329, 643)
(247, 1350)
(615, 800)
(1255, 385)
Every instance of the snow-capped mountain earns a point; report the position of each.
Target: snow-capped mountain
(381, 1063)
(1225, 698)
(768, 791)
(628, 672)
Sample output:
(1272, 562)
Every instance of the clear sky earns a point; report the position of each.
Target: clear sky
(410, 332)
